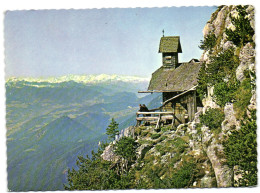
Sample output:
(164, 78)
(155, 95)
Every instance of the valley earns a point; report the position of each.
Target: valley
(49, 124)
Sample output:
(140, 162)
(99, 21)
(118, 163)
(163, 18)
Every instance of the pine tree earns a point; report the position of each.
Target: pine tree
(112, 129)
(126, 149)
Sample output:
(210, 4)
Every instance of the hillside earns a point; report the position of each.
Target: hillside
(50, 122)
(216, 149)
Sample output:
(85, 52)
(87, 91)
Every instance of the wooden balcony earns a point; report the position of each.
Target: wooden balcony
(155, 117)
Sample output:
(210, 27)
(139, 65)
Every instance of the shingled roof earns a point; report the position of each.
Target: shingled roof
(170, 44)
(181, 78)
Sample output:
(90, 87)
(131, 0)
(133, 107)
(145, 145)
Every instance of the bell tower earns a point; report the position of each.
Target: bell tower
(170, 46)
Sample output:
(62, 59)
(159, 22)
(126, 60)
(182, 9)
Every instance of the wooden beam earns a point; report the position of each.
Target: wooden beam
(146, 118)
(158, 122)
(191, 89)
(172, 121)
(153, 113)
(167, 117)
(155, 118)
(152, 91)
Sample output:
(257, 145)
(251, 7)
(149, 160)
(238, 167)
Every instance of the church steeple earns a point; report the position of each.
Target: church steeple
(170, 46)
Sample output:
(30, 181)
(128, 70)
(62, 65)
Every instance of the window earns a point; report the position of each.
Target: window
(168, 59)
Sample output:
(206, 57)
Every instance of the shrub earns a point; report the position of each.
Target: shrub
(209, 42)
(212, 118)
(143, 141)
(242, 97)
(160, 149)
(198, 128)
(224, 93)
(162, 138)
(166, 128)
(180, 145)
(92, 173)
(126, 148)
(223, 66)
(139, 130)
(221, 69)
(155, 136)
(144, 133)
(241, 149)
(243, 32)
(175, 159)
(183, 177)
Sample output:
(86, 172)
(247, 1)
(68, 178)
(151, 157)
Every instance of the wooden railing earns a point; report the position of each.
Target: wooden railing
(155, 116)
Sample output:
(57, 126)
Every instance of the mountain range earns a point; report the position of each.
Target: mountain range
(82, 79)
(52, 121)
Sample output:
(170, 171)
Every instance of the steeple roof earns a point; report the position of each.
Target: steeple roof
(169, 44)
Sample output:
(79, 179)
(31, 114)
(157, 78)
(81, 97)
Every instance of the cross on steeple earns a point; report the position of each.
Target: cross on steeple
(163, 32)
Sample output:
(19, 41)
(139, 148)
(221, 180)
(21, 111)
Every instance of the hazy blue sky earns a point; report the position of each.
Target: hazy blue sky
(94, 41)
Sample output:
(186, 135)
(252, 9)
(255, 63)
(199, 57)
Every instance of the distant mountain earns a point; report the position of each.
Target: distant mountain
(37, 159)
(65, 129)
(52, 121)
(83, 79)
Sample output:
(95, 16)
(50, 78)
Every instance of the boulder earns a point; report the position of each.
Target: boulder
(108, 154)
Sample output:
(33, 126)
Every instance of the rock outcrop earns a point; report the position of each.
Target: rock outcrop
(220, 21)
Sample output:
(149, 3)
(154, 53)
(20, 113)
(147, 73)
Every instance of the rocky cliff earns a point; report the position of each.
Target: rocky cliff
(233, 30)
(216, 149)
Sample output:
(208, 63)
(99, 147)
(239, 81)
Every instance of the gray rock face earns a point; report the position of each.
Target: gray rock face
(251, 15)
(252, 105)
(246, 58)
(238, 175)
(223, 173)
(228, 45)
(206, 182)
(141, 151)
(208, 28)
(108, 154)
(212, 143)
(230, 123)
(208, 101)
(127, 132)
(197, 115)
(220, 20)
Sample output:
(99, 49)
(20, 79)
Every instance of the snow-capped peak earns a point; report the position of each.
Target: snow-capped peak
(83, 79)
